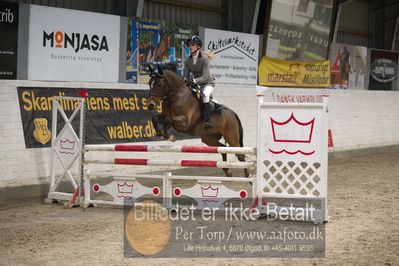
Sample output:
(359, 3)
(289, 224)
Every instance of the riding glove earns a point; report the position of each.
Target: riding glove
(190, 81)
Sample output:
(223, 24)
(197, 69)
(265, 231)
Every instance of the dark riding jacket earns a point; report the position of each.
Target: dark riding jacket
(200, 71)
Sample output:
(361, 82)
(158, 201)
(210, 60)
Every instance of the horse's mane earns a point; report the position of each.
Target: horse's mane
(170, 66)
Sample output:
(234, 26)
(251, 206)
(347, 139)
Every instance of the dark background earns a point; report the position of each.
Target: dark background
(8, 42)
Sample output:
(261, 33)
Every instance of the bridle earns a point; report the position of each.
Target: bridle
(166, 97)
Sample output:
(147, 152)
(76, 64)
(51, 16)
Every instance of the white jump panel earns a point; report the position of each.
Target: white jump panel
(292, 152)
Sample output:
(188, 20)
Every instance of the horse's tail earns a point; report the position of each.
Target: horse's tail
(240, 130)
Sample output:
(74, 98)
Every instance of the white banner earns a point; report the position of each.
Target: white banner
(235, 59)
(72, 45)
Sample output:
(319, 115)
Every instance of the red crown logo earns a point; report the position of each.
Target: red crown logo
(210, 192)
(125, 188)
(292, 130)
(67, 144)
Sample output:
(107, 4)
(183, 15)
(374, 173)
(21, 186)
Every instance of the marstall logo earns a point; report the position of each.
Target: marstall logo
(383, 70)
(75, 40)
(234, 42)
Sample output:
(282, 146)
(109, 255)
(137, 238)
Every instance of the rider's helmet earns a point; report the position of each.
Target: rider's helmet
(194, 39)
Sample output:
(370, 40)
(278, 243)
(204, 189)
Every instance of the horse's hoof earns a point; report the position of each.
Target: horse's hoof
(247, 174)
(172, 138)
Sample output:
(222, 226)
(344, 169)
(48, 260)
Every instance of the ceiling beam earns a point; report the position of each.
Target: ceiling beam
(189, 5)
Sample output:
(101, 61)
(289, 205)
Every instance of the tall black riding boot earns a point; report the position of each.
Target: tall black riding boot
(208, 123)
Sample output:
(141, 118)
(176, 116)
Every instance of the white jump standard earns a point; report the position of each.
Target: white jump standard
(291, 162)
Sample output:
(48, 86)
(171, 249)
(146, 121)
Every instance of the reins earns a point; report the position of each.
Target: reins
(171, 91)
(168, 99)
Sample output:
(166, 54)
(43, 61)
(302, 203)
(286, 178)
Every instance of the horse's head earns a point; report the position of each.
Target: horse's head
(158, 87)
(167, 41)
(165, 38)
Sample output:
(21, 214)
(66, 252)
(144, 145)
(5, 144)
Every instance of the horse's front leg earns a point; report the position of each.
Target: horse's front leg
(162, 125)
(179, 122)
(159, 122)
(166, 131)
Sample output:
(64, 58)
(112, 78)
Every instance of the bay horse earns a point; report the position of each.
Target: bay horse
(162, 48)
(181, 110)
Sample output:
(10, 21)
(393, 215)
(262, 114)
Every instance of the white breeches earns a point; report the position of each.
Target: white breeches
(207, 91)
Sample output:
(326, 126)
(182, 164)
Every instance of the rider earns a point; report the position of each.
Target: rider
(196, 71)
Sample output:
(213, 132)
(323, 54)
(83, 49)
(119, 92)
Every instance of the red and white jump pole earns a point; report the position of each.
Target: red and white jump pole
(182, 163)
(160, 148)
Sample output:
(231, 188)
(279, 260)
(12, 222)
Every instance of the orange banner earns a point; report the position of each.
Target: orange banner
(274, 72)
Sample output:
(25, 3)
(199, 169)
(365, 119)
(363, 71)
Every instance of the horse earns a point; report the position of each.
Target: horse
(345, 66)
(181, 110)
(162, 48)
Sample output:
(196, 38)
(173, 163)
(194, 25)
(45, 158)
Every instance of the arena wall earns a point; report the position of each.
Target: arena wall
(358, 119)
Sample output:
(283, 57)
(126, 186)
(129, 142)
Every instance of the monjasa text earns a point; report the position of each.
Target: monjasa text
(75, 40)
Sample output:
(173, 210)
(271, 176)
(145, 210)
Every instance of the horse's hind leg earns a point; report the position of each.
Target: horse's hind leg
(234, 141)
(227, 171)
(213, 140)
(241, 158)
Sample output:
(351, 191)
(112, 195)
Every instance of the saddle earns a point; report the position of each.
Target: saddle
(215, 106)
